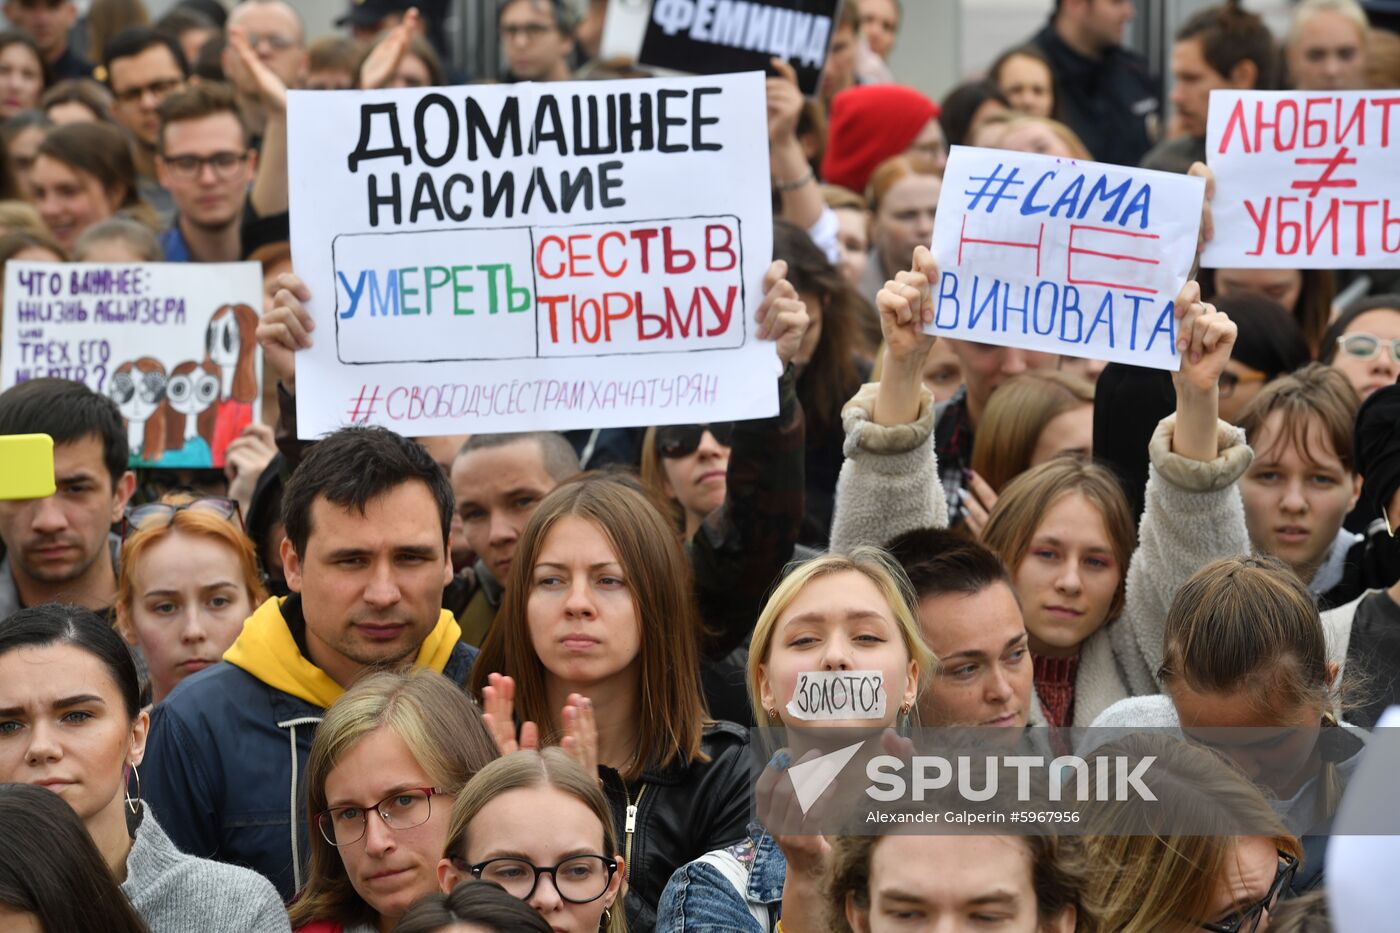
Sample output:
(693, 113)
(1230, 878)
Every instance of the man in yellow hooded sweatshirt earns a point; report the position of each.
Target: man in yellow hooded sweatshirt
(368, 515)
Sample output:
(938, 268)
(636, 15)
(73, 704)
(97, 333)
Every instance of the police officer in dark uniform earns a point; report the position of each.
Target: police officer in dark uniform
(1106, 93)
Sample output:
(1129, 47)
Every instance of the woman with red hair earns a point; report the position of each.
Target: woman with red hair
(189, 577)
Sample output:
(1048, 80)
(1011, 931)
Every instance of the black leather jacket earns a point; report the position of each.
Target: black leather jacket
(682, 812)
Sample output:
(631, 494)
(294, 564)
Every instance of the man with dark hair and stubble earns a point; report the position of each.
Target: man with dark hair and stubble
(1107, 95)
(60, 548)
(143, 68)
(971, 619)
(1218, 48)
(368, 516)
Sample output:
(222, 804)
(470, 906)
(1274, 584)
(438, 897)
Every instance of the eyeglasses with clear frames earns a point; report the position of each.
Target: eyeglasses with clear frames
(1367, 346)
(403, 809)
(274, 40)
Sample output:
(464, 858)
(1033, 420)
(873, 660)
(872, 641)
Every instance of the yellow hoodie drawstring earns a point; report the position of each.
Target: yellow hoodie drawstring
(266, 649)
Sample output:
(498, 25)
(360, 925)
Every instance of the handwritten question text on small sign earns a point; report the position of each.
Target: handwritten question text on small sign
(533, 256)
(174, 345)
(825, 696)
(1304, 179)
(1067, 257)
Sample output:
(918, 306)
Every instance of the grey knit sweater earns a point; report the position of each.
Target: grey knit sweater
(1192, 515)
(178, 893)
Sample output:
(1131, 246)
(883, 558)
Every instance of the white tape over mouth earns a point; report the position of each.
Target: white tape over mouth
(838, 695)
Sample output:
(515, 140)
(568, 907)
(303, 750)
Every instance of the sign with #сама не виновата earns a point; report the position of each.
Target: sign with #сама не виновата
(1062, 256)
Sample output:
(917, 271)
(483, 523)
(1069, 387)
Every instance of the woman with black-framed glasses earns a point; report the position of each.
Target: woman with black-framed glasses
(1246, 912)
(385, 766)
(1218, 857)
(538, 825)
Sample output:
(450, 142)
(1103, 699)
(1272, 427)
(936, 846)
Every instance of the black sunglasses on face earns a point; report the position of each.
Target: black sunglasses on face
(1247, 920)
(682, 440)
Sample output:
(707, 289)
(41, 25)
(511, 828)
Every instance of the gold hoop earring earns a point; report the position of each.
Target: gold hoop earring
(772, 714)
(904, 710)
(607, 918)
(131, 804)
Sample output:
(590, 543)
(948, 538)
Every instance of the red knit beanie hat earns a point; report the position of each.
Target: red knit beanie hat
(869, 124)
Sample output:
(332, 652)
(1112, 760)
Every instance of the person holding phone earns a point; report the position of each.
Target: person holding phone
(62, 545)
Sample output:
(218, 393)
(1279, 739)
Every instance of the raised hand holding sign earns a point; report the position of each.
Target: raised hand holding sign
(1063, 257)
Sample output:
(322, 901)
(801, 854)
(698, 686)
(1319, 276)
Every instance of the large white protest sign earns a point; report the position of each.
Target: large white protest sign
(173, 344)
(538, 256)
(1067, 257)
(1304, 179)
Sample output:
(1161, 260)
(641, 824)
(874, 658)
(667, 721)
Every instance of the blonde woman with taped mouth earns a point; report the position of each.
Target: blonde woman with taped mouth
(837, 646)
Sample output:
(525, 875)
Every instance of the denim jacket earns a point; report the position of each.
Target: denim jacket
(739, 888)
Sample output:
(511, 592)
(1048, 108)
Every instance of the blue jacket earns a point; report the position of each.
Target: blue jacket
(228, 746)
(739, 888)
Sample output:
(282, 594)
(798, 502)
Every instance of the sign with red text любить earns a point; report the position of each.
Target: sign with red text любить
(1305, 179)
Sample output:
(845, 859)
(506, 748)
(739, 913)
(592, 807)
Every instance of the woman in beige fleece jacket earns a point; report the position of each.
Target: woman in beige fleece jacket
(1192, 512)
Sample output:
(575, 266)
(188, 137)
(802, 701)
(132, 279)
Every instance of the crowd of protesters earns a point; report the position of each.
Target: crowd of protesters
(506, 682)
